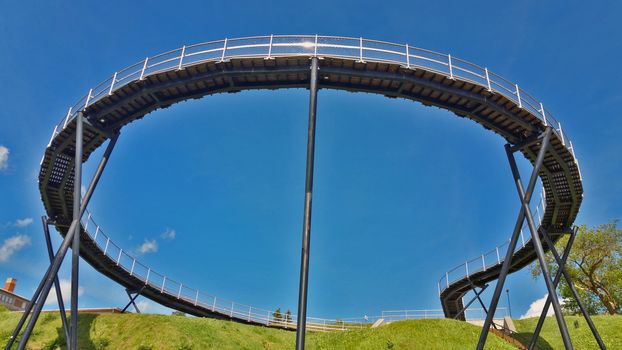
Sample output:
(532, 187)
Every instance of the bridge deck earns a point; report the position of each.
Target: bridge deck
(131, 100)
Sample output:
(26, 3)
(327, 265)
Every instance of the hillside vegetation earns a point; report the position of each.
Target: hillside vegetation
(609, 327)
(142, 331)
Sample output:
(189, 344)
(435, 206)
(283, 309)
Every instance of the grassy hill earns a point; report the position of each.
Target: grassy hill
(132, 331)
(144, 332)
(609, 327)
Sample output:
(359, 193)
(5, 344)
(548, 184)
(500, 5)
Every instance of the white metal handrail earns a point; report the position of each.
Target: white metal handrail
(177, 290)
(272, 46)
(471, 314)
(493, 257)
(291, 46)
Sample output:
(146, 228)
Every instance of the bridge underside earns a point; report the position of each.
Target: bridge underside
(560, 175)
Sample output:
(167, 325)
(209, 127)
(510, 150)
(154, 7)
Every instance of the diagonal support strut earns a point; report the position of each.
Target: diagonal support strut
(43, 289)
(59, 295)
(561, 262)
(133, 299)
(537, 243)
(507, 262)
(476, 297)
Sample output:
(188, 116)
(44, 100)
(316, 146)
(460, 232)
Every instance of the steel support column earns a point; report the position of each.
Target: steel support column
(75, 247)
(43, 289)
(306, 228)
(505, 268)
(562, 269)
(59, 295)
(537, 243)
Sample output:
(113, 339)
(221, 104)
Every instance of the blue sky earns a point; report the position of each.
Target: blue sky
(402, 192)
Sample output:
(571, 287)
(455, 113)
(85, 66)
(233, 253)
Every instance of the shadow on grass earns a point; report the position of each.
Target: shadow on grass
(85, 322)
(525, 338)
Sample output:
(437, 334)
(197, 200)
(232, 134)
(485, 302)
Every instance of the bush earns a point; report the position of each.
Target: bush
(101, 343)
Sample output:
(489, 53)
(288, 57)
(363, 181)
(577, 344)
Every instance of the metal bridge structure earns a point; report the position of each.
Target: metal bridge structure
(313, 62)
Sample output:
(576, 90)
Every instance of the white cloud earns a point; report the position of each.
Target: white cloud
(143, 305)
(4, 158)
(535, 308)
(12, 245)
(65, 289)
(169, 234)
(149, 307)
(23, 222)
(149, 246)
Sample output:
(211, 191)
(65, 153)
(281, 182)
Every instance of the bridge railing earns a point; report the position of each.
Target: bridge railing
(176, 290)
(471, 314)
(274, 46)
(495, 256)
(194, 297)
(360, 49)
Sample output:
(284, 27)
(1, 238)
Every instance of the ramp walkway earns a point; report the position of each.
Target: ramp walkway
(282, 61)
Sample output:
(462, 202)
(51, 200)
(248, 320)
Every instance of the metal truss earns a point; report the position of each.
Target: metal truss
(72, 237)
(133, 295)
(477, 297)
(551, 284)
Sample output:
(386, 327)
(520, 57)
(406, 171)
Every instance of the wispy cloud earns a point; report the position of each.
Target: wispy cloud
(149, 246)
(12, 245)
(169, 234)
(23, 222)
(65, 289)
(143, 306)
(535, 308)
(148, 307)
(4, 158)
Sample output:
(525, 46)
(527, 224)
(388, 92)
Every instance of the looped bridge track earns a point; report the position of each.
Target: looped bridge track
(275, 62)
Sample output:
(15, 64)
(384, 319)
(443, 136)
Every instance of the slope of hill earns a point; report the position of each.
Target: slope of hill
(609, 327)
(135, 331)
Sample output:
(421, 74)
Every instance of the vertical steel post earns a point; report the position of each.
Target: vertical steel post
(114, 80)
(224, 50)
(361, 49)
(451, 68)
(270, 47)
(142, 72)
(507, 291)
(315, 47)
(306, 228)
(46, 283)
(507, 262)
(537, 243)
(67, 118)
(59, 294)
(483, 262)
(181, 57)
(75, 247)
(543, 114)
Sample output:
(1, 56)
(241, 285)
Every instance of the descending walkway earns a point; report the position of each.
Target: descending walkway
(272, 62)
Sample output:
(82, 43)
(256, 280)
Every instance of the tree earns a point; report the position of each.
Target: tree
(278, 317)
(288, 316)
(595, 267)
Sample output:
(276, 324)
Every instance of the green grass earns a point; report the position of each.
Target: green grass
(132, 331)
(609, 327)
